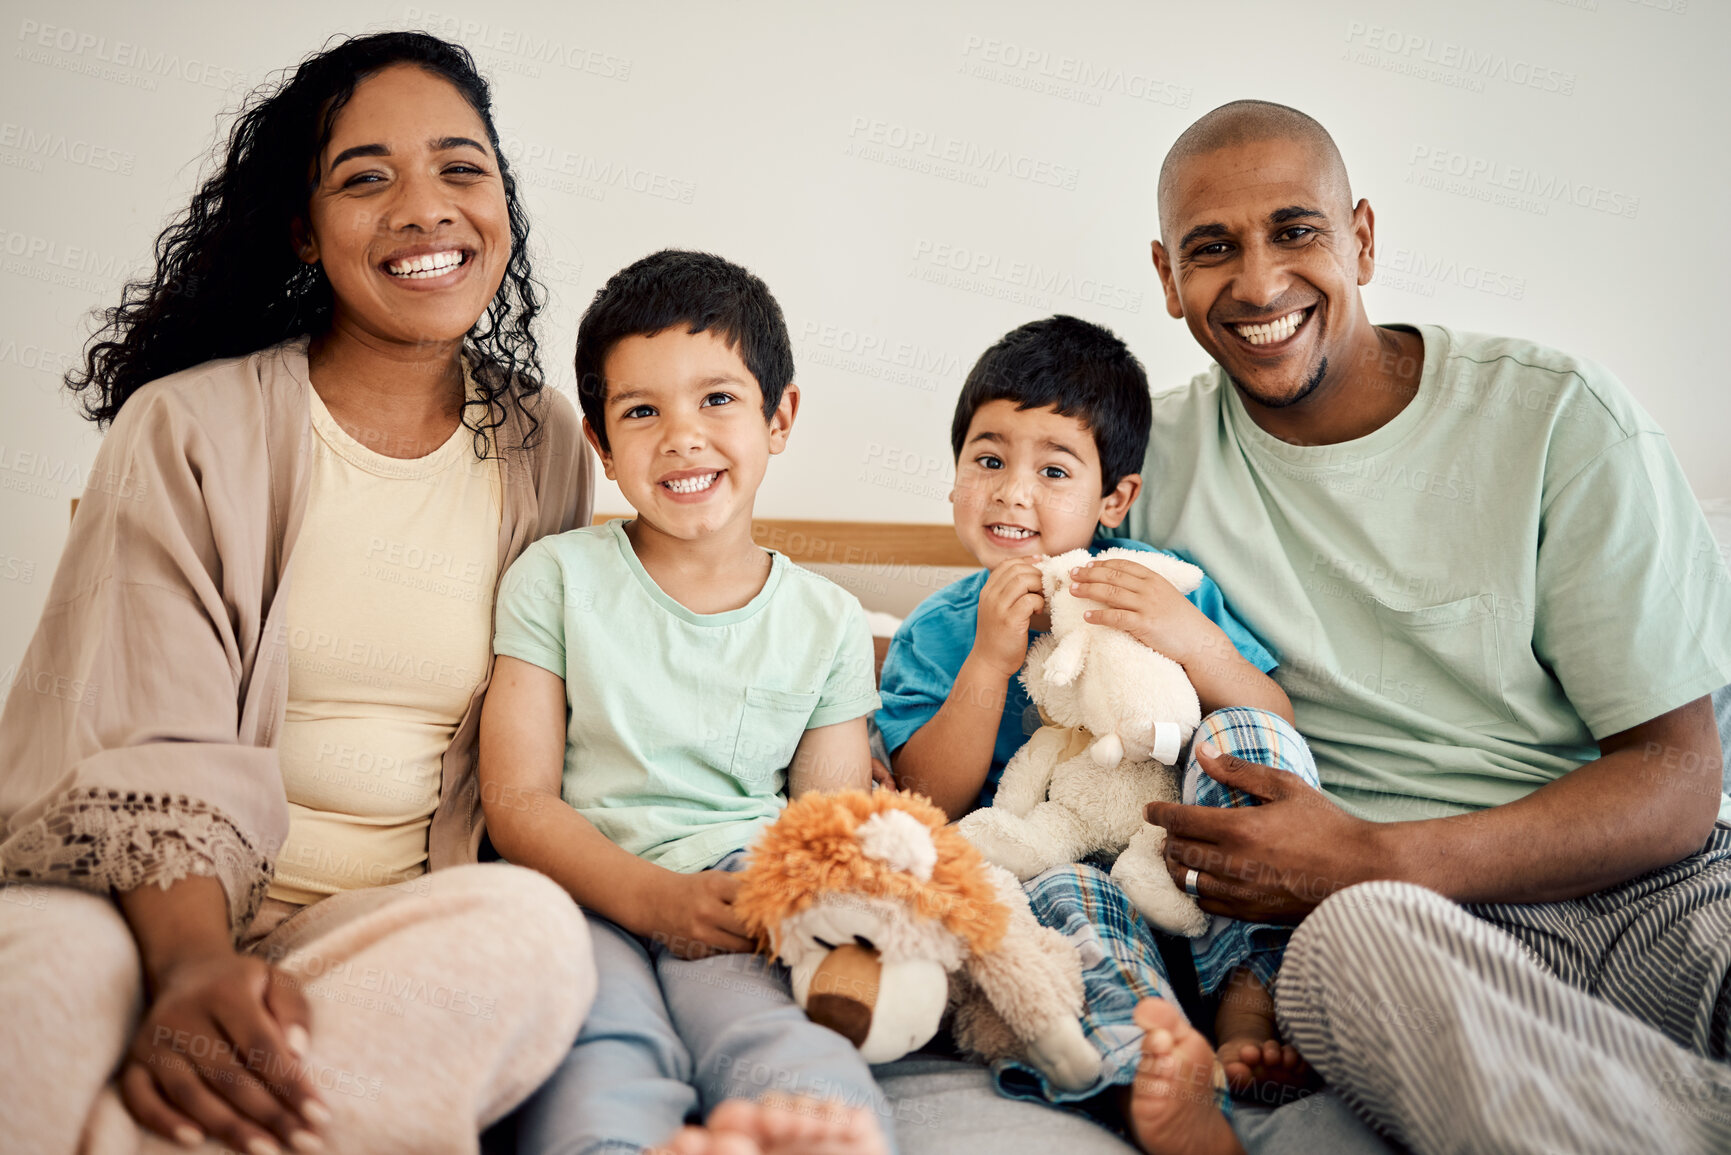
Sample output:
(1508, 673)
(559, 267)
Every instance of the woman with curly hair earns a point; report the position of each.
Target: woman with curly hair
(240, 814)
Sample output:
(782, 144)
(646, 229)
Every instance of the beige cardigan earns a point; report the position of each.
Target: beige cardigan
(138, 738)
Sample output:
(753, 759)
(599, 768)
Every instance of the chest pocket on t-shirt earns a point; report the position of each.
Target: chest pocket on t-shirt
(770, 727)
(1441, 661)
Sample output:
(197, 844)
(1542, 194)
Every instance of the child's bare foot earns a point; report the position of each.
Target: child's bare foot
(703, 1141)
(1250, 1049)
(1172, 1102)
(782, 1125)
(1249, 1062)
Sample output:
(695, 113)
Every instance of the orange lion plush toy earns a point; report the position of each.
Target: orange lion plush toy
(888, 918)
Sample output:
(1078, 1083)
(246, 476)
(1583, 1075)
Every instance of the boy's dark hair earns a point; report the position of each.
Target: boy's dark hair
(678, 287)
(1079, 369)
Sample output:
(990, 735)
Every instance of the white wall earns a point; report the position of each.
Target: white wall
(776, 134)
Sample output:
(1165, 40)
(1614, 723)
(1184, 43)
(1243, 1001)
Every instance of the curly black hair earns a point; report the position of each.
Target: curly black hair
(228, 281)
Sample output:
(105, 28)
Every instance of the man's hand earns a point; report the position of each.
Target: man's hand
(219, 1053)
(1135, 599)
(1270, 863)
(1011, 597)
(694, 915)
(1635, 808)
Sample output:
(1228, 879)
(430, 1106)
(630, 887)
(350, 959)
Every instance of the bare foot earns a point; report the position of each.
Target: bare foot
(1172, 1102)
(1250, 1049)
(703, 1141)
(782, 1125)
(1251, 1062)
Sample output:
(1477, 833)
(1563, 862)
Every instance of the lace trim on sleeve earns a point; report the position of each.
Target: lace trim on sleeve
(102, 839)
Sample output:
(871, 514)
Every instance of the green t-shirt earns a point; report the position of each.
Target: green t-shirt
(1463, 600)
(681, 725)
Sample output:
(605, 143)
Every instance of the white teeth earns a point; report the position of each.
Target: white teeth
(428, 265)
(1269, 332)
(692, 484)
(1012, 531)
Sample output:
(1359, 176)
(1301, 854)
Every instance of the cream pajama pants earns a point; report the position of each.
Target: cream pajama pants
(437, 1006)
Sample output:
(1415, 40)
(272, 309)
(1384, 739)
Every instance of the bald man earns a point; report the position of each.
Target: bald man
(1500, 615)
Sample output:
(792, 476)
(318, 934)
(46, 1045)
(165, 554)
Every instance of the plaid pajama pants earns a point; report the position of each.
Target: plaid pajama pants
(1121, 961)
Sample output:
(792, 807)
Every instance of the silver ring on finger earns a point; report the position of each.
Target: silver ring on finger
(1190, 878)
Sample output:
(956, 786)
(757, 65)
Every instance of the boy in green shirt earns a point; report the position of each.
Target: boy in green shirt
(662, 685)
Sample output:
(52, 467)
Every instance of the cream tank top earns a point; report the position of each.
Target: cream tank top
(390, 624)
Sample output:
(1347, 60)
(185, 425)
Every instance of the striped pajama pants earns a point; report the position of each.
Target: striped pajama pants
(1599, 1024)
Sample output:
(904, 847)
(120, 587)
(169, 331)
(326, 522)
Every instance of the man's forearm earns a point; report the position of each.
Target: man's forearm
(1649, 800)
(1632, 810)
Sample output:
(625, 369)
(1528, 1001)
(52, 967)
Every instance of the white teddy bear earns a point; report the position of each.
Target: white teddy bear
(1117, 715)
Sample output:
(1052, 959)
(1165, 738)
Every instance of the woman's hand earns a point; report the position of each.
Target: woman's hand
(220, 1053)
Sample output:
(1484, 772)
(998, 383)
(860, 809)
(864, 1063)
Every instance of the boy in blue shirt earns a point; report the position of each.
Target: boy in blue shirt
(662, 686)
(1049, 432)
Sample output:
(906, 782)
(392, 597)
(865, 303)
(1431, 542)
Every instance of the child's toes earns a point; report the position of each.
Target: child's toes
(811, 1122)
(793, 1125)
(688, 1141)
(740, 1116)
(1162, 1021)
(777, 1128)
(733, 1143)
(1237, 1062)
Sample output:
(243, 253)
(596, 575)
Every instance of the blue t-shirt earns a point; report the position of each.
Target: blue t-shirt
(928, 650)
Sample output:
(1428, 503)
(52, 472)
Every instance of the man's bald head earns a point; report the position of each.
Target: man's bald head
(1250, 122)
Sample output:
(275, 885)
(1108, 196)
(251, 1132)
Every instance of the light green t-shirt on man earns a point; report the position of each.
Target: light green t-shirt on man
(1463, 601)
(681, 725)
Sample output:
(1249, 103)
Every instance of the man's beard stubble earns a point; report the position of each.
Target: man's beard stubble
(1310, 387)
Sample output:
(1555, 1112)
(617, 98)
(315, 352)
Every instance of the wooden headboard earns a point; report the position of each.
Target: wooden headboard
(873, 543)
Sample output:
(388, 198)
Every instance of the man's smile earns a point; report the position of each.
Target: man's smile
(1273, 335)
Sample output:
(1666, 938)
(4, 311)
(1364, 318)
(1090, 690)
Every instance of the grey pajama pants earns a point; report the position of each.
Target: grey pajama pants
(668, 1039)
(1596, 1024)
